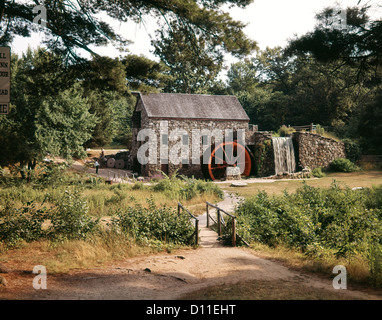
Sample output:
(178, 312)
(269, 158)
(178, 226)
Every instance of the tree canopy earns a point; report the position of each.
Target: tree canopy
(76, 24)
(358, 43)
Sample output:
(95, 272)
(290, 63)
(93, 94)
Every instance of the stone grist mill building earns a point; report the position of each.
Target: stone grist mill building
(208, 136)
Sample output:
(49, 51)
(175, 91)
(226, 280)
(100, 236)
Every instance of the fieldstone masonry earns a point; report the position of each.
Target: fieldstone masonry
(183, 136)
(313, 150)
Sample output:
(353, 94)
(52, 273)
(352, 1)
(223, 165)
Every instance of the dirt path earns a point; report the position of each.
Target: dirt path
(170, 276)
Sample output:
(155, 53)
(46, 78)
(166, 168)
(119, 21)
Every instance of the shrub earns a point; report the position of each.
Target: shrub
(52, 174)
(67, 218)
(317, 172)
(21, 224)
(343, 165)
(71, 219)
(138, 186)
(153, 223)
(320, 130)
(285, 131)
(337, 222)
(375, 263)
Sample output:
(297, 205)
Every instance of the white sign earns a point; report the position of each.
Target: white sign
(5, 75)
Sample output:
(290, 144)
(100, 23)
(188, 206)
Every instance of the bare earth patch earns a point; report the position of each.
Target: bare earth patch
(174, 276)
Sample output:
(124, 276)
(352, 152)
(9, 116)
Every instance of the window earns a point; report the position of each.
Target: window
(185, 139)
(165, 139)
(204, 140)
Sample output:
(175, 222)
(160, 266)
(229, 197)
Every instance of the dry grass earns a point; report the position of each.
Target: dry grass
(60, 257)
(357, 267)
(104, 202)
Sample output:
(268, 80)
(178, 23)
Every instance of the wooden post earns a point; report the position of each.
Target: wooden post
(311, 127)
(208, 216)
(233, 232)
(196, 231)
(178, 209)
(219, 224)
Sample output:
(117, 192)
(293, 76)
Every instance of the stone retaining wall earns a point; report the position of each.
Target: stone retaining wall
(313, 150)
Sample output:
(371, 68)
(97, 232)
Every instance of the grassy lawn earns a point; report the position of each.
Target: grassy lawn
(353, 179)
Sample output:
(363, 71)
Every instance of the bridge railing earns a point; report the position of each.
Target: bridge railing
(220, 221)
(196, 232)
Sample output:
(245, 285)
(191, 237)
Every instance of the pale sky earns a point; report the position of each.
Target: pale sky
(270, 22)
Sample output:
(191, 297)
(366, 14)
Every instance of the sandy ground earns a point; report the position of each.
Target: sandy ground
(167, 276)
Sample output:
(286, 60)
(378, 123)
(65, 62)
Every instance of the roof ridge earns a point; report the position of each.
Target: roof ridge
(193, 106)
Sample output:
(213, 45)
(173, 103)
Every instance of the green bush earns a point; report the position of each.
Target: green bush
(320, 130)
(337, 221)
(343, 165)
(375, 259)
(138, 185)
(317, 172)
(153, 223)
(285, 131)
(70, 219)
(53, 174)
(21, 224)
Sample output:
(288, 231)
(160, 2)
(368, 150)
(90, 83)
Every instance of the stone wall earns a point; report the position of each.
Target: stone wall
(313, 150)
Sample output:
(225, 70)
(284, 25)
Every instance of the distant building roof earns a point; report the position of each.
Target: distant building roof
(192, 106)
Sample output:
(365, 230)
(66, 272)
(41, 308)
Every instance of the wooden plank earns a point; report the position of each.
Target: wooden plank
(233, 232)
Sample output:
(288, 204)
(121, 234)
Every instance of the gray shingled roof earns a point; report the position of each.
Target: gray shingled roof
(193, 106)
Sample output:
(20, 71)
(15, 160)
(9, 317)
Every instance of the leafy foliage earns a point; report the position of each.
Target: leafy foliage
(72, 26)
(154, 224)
(317, 172)
(337, 221)
(21, 224)
(343, 165)
(71, 219)
(67, 219)
(193, 63)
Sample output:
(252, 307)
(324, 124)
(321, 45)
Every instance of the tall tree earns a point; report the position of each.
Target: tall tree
(48, 113)
(193, 63)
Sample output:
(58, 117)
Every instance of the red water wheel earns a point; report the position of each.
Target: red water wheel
(227, 154)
